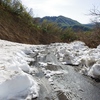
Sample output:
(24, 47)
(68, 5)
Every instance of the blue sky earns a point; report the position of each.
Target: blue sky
(75, 9)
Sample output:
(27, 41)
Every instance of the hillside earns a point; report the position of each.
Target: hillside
(15, 29)
(61, 20)
(66, 22)
(18, 28)
(90, 25)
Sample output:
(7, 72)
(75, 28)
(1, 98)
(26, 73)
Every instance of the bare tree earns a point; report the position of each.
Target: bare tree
(95, 12)
(95, 36)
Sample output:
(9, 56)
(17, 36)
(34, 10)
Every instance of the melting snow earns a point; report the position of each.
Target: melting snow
(15, 82)
(15, 79)
(77, 53)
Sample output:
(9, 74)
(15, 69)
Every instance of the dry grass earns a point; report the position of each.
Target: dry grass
(14, 28)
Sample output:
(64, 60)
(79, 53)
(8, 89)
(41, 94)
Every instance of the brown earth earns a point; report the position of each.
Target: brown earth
(14, 28)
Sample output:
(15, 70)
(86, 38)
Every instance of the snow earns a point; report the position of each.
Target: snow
(95, 71)
(15, 81)
(16, 85)
(49, 74)
(77, 53)
(16, 72)
(42, 64)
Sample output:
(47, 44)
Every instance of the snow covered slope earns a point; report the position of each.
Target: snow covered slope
(17, 80)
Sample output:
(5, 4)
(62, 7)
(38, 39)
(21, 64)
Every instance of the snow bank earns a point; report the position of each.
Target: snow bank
(15, 81)
(77, 53)
(15, 68)
(16, 86)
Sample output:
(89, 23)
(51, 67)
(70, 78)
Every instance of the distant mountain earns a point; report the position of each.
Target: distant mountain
(90, 25)
(65, 22)
(61, 20)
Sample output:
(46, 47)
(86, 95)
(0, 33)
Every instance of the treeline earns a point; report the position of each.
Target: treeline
(16, 7)
(45, 32)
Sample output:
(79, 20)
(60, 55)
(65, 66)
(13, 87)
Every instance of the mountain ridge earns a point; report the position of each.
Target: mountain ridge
(60, 19)
(65, 22)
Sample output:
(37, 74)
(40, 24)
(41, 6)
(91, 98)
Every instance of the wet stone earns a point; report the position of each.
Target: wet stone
(61, 96)
(52, 67)
(47, 98)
